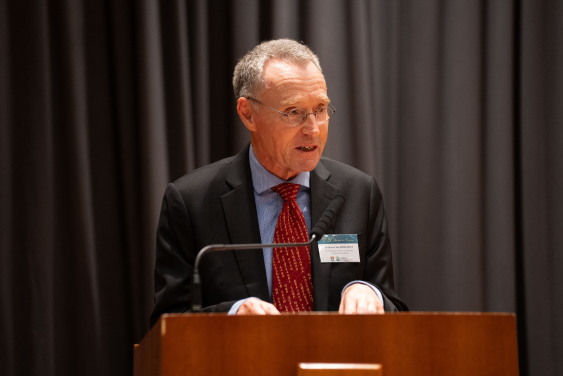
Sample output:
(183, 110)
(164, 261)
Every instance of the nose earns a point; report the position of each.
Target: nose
(310, 125)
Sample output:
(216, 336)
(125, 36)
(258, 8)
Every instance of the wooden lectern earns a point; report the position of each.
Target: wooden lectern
(420, 344)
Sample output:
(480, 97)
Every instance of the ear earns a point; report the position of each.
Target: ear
(246, 113)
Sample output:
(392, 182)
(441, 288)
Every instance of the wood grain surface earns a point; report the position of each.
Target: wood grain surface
(403, 343)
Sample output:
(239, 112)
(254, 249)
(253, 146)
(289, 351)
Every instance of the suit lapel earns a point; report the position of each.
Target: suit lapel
(239, 208)
(322, 193)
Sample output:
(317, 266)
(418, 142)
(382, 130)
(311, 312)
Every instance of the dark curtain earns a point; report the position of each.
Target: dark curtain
(455, 107)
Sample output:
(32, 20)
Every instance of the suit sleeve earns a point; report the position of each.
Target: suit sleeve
(175, 256)
(379, 265)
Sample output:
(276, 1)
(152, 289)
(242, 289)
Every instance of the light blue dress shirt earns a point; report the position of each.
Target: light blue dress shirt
(269, 205)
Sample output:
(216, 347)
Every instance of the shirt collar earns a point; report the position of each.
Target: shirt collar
(263, 179)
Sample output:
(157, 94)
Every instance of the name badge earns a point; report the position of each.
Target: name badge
(339, 248)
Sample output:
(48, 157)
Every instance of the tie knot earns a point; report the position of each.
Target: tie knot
(287, 191)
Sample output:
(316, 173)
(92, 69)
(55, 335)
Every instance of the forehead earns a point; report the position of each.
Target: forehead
(291, 83)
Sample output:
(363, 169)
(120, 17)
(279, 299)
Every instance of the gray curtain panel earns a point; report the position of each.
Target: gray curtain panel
(455, 107)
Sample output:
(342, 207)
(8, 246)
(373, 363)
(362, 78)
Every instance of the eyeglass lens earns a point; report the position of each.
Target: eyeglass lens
(298, 115)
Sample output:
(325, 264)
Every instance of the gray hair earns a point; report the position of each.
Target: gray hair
(248, 77)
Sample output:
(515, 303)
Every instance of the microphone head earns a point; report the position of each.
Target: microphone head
(328, 217)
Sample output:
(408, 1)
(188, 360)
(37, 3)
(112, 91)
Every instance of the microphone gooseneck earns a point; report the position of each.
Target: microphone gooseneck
(196, 280)
(317, 232)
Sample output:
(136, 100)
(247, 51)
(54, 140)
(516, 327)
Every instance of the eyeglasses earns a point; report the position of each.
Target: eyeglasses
(299, 115)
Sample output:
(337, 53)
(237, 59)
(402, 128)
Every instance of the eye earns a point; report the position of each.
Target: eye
(321, 110)
(294, 112)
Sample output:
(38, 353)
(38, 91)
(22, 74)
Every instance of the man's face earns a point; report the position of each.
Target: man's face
(283, 149)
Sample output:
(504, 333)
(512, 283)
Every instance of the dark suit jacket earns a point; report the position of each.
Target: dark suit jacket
(215, 205)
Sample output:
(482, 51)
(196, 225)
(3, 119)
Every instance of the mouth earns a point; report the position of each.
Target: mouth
(306, 148)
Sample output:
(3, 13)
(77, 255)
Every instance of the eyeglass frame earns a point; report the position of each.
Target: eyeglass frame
(286, 114)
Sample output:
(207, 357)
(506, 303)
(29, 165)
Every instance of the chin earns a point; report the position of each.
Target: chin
(308, 165)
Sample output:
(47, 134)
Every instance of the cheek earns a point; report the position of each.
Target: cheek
(269, 138)
(324, 134)
(287, 140)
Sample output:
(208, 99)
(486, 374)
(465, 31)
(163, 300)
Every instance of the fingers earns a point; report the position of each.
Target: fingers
(255, 306)
(379, 307)
(362, 307)
(251, 308)
(360, 299)
(350, 303)
(270, 309)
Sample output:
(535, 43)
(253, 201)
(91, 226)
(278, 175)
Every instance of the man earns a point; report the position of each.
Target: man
(272, 190)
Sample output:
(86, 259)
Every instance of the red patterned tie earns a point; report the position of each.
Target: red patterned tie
(292, 285)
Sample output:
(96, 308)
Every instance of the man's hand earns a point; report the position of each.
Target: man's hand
(254, 306)
(360, 299)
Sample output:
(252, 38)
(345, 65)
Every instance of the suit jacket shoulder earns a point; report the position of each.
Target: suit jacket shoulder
(211, 205)
(203, 178)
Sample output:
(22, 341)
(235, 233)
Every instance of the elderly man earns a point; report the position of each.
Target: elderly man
(273, 191)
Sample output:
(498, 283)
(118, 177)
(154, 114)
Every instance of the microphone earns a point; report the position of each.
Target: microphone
(328, 217)
(316, 233)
